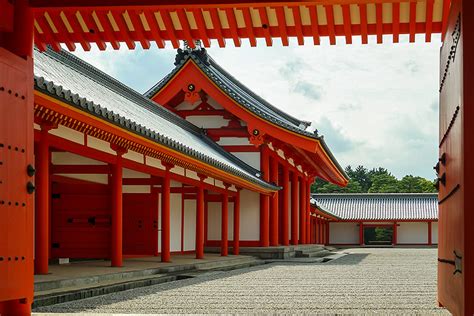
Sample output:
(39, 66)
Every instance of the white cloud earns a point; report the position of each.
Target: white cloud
(377, 104)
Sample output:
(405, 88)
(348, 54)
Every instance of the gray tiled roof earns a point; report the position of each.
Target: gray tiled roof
(379, 206)
(234, 89)
(242, 95)
(72, 80)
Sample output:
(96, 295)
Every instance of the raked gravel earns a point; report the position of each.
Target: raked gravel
(383, 281)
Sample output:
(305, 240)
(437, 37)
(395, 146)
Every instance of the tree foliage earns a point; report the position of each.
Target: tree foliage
(377, 180)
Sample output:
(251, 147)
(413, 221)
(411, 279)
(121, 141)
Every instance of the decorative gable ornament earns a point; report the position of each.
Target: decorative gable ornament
(191, 93)
(256, 136)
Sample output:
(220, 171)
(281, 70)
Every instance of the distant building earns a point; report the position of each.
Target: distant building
(377, 219)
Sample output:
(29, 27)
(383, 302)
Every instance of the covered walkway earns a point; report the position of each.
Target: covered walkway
(389, 281)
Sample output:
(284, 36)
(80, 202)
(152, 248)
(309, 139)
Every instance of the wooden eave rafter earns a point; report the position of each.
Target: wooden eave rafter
(190, 73)
(55, 111)
(171, 21)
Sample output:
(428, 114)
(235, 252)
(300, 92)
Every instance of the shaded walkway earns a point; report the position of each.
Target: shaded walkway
(368, 280)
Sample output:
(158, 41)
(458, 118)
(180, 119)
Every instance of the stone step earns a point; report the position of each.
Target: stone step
(82, 288)
(319, 254)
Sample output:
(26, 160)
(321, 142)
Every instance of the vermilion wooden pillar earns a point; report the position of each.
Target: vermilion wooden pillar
(308, 209)
(165, 215)
(294, 209)
(200, 220)
(302, 204)
(285, 198)
(274, 204)
(321, 231)
(361, 233)
(42, 220)
(236, 248)
(225, 224)
(117, 210)
(264, 199)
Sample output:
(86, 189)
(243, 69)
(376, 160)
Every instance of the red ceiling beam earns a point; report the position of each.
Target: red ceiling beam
(183, 20)
(165, 16)
(108, 31)
(297, 20)
(123, 29)
(313, 14)
(330, 22)
(396, 22)
(59, 24)
(412, 21)
(154, 29)
(233, 26)
(93, 30)
(282, 25)
(216, 23)
(48, 33)
(201, 27)
(80, 169)
(429, 20)
(346, 14)
(444, 23)
(379, 22)
(363, 23)
(249, 27)
(138, 27)
(265, 25)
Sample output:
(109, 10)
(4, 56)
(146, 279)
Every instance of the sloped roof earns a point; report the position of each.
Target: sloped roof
(379, 206)
(72, 80)
(242, 95)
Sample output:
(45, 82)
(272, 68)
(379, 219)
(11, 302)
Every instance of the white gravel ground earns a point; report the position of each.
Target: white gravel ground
(383, 281)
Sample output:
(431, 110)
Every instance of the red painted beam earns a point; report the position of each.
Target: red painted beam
(154, 29)
(202, 30)
(59, 24)
(216, 23)
(200, 223)
(294, 208)
(183, 20)
(108, 31)
(429, 19)
(412, 21)
(264, 199)
(445, 18)
(165, 16)
(123, 29)
(138, 27)
(330, 24)
(346, 14)
(249, 27)
(236, 244)
(396, 22)
(48, 34)
(274, 205)
(225, 224)
(165, 217)
(379, 22)
(363, 23)
(297, 20)
(314, 25)
(117, 214)
(265, 25)
(282, 25)
(93, 30)
(285, 201)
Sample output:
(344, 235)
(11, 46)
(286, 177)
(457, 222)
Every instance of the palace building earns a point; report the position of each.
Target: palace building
(375, 219)
(199, 160)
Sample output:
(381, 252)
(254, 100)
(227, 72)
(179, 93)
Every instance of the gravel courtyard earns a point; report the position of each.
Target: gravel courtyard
(386, 281)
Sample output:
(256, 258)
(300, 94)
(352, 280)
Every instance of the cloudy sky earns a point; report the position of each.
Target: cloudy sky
(376, 105)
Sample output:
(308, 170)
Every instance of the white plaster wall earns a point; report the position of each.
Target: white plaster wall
(153, 162)
(214, 220)
(434, 232)
(175, 219)
(189, 225)
(136, 189)
(99, 144)
(214, 211)
(343, 233)
(128, 173)
(68, 134)
(250, 158)
(412, 233)
(66, 158)
(240, 141)
(210, 121)
(249, 215)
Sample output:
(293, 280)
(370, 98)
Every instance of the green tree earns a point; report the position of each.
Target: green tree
(384, 183)
(352, 187)
(411, 184)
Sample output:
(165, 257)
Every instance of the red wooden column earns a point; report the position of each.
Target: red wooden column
(294, 209)
(264, 199)
(395, 238)
(274, 204)
(165, 214)
(117, 209)
(155, 196)
(308, 209)
(285, 198)
(42, 202)
(225, 223)
(321, 231)
(430, 242)
(361, 233)
(200, 219)
(236, 248)
(302, 223)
